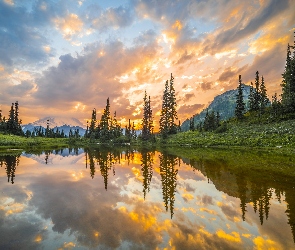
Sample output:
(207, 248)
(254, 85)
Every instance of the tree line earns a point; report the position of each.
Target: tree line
(259, 104)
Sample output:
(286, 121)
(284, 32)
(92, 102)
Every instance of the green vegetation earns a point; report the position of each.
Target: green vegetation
(277, 134)
(20, 143)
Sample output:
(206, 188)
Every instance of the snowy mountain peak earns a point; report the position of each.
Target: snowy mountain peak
(55, 121)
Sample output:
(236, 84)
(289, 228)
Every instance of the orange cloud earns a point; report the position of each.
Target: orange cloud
(69, 26)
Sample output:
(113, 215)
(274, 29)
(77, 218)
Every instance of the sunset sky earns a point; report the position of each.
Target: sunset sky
(64, 58)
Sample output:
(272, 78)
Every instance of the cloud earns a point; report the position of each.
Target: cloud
(69, 26)
(190, 109)
(21, 43)
(96, 226)
(247, 26)
(115, 18)
(207, 200)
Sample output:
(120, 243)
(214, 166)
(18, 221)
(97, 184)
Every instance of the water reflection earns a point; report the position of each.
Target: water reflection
(10, 162)
(153, 200)
(256, 189)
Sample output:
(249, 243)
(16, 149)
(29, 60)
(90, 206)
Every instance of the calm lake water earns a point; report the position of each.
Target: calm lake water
(125, 199)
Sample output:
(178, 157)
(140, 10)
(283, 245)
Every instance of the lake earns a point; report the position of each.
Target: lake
(121, 198)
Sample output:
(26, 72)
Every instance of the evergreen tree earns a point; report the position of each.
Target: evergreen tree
(92, 126)
(276, 109)
(105, 123)
(168, 115)
(192, 124)
(10, 122)
(240, 105)
(288, 83)
(263, 96)
(172, 108)
(145, 118)
(251, 98)
(257, 98)
(164, 116)
(151, 122)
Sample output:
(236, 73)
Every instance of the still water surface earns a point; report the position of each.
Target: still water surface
(125, 199)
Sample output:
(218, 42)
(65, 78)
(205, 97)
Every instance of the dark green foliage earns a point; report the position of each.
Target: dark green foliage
(240, 105)
(105, 130)
(147, 120)
(13, 124)
(211, 122)
(288, 83)
(147, 160)
(264, 101)
(276, 108)
(256, 95)
(168, 174)
(192, 124)
(105, 123)
(168, 115)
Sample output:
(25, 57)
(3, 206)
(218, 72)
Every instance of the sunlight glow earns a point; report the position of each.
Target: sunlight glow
(177, 25)
(10, 2)
(38, 238)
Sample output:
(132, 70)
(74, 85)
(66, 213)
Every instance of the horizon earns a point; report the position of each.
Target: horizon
(66, 58)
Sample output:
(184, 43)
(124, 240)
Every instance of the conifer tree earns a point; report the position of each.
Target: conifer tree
(251, 97)
(168, 115)
(11, 123)
(105, 122)
(151, 122)
(147, 120)
(288, 83)
(192, 124)
(172, 108)
(240, 105)
(164, 116)
(256, 96)
(92, 126)
(263, 96)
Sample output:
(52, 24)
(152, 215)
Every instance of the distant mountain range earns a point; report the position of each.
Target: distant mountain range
(225, 104)
(60, 123)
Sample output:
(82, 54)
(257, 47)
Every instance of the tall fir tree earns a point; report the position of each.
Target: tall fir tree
(145, 118)
(105, 122)
(164, 116)
(256, 96)
(151, 122)
(172, 108)
(264, 102)
(168, 115)
(240, 105)
(251, 98)
(92, 126)
(288, 83)
(11, 126)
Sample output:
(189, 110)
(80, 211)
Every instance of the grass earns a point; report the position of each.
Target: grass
(272, 135)
(13, 142)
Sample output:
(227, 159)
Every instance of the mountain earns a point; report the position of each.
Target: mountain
(225, 104)
(54, 122)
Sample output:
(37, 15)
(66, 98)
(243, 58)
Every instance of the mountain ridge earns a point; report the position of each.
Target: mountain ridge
(224, 103)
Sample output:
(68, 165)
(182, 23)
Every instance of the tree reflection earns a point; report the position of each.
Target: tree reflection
(10, 162)
(147, 160)
(168, 174)
(251, 188)
(105, 159)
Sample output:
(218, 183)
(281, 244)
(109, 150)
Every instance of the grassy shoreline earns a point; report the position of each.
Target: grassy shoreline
(279, 137)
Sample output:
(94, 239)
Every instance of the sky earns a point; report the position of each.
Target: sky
(64, 58)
